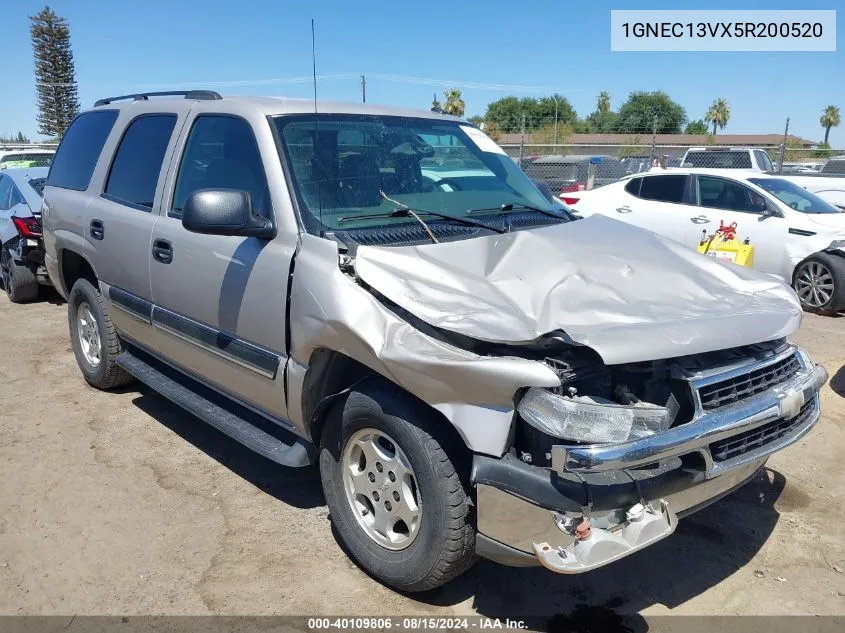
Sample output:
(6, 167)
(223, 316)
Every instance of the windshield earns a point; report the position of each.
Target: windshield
(345, 167)
(794, 196)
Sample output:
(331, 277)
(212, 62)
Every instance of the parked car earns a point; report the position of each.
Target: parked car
(473, 372)
(569, 173)
(21, 247)
(796, 234)
(29, 157)
(728, 158)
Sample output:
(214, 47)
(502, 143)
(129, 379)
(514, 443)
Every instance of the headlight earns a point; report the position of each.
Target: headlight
(585, 420)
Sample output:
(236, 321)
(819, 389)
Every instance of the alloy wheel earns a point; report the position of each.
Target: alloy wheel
(814, 284)
(89, 334)
(381, 488)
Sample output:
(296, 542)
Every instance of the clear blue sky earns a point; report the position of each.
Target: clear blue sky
(127, 46)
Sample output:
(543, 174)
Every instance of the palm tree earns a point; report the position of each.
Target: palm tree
(454, 102)
(603, 101)
(718, 114)
(830, 118)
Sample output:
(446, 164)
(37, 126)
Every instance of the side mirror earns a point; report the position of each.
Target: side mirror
(769, 211)
(545, 189)
(224, 212)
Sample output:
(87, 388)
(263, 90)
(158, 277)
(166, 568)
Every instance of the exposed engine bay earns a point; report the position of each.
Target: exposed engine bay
(657, 389)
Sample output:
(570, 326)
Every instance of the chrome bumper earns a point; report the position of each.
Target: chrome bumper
(529, 516)
(706, 428)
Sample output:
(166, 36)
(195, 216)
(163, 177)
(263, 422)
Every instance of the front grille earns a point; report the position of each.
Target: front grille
(744, 386)
(754, 439)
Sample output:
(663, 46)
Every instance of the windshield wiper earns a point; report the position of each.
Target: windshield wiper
(405, 211)
(510, 206)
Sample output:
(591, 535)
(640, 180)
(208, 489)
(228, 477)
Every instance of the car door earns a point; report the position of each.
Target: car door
(657, 203)
(121, 217)
(725, 200)
(220, 301)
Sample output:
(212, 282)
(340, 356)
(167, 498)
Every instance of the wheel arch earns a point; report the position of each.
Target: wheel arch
(72, 267)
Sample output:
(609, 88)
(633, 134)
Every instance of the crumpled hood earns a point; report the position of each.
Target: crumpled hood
(627, 293)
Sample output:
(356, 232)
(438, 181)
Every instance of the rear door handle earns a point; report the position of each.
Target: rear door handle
(700, 219)
(97, 229)
(625, 209)
(162, 251)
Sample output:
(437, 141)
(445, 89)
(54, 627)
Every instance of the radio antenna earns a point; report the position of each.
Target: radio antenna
(318, 159)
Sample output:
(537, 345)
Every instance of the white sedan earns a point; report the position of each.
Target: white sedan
(796, 235)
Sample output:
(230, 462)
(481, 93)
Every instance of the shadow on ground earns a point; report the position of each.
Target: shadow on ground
(299, 487)
(837, 383)
(706, 548)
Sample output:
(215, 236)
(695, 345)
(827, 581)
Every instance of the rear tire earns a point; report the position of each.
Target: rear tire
(442, 544)
(19, 280)
(96, 344)
(819, 281)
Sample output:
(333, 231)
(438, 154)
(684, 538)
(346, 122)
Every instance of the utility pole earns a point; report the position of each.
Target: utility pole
(653, 138)
(556, 104)
(522, 141)
(363, 89)
(783, 147)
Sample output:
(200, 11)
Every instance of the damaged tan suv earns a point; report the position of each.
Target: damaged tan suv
(384, 293)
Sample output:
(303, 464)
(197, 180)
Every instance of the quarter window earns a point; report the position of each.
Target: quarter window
(720, 193)
(221, 153)
(664, 188)
(137, 162)
(80, 150)
(633, 186)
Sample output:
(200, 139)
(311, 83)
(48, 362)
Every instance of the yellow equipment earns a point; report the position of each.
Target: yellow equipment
(724, 246)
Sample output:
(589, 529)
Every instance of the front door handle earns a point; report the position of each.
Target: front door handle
(97, 229)
(625, 209)
(700, 219)
(162, 251)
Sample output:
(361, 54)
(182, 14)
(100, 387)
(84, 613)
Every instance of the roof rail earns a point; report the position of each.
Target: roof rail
(200, 95)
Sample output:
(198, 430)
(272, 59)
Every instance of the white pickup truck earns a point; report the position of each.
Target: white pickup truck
(828, 184)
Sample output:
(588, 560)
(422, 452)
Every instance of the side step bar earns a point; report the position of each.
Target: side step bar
(247, 427)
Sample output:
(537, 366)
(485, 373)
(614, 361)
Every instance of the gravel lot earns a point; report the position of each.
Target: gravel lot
(120, 503)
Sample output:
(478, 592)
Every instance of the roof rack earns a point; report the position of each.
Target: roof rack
(200, 95)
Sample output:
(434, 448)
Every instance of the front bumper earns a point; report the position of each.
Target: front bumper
(633, 493)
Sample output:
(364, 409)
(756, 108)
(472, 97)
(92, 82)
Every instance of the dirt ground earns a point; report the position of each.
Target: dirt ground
(120, 503)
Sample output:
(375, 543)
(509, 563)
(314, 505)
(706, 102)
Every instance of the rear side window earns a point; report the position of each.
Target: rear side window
(633, 186)
(5, 193)
(137, 161)
(664, 188)
(80, 149)
(763, 161)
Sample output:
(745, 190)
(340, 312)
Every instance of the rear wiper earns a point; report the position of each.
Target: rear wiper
(510, 206)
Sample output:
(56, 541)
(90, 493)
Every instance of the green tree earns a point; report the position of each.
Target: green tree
(637, 114)
(830, 118)
(719, 113)
(454, 102)
(822, 151)
(476, 119)
(599, 123)
(507, 112)
(55, 73)
(603, 102)
(696, 127)
(15, 138)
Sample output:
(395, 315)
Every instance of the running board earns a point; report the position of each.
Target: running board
(241, 424)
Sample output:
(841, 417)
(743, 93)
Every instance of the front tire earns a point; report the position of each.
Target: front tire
(19, 280)
(819, 281)
(96, 344)
(396, 500)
